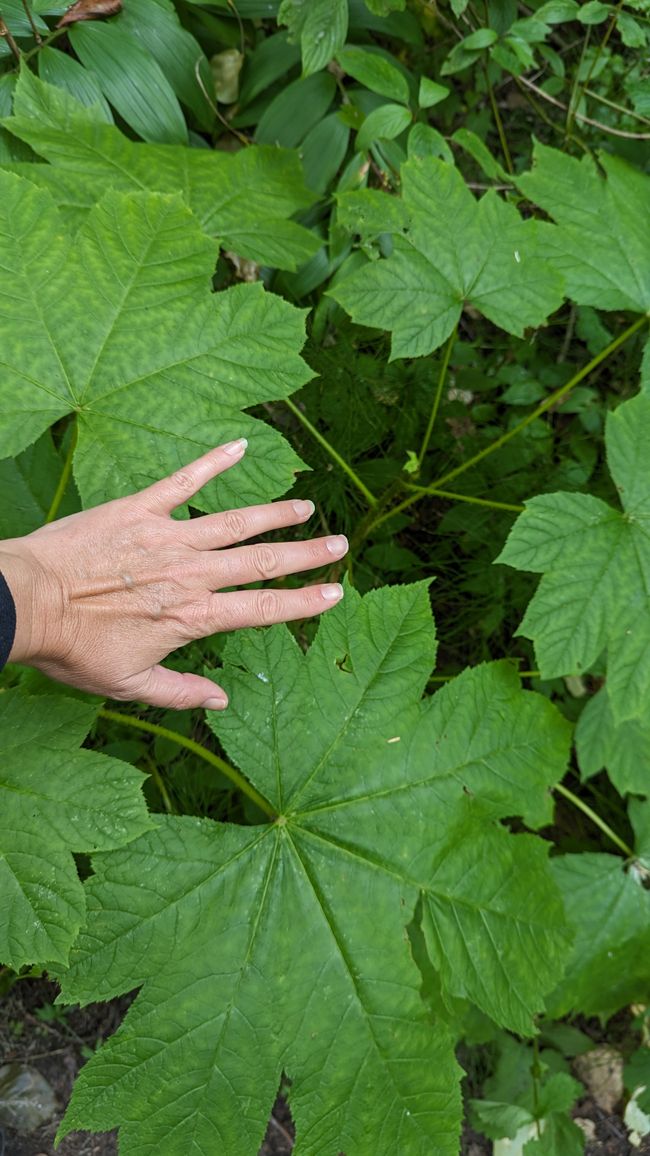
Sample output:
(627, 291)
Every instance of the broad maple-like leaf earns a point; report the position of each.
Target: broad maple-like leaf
(602, 241)
(243, 199)
(54, 799)
(119, 325)
(451, 251)
(283, 947)
(595, 593)
(609, 907)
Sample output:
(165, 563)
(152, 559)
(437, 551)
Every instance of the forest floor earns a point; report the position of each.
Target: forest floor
(55, 1042)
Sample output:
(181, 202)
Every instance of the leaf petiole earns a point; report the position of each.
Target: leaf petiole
(201, 752)
(595, 818)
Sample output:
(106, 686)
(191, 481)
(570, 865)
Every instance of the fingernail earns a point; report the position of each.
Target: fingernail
(235, 448)
(215, 703)
(337, 545)
(332, 593)
(303, 509)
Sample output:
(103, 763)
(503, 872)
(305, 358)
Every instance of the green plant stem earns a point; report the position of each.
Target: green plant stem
(454, 497)
(201, 752)
(580, 88)
(442, 377)
(54, 35)
(595, 818)
(4, 31)
(535, 1073)
(548, 403)
(160, 787)
(65, 477)
(498, 122)
(334, 454)
(35, 33)
(617, 107)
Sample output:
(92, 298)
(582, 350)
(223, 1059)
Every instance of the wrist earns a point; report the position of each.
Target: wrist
(21, 577)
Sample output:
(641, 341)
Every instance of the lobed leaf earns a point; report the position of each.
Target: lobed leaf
(54, 799)
(595, 561)
(452, 252)
(243, 199)
(147, 334)
(601, 243)
(283, 947)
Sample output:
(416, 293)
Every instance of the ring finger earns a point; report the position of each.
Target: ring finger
(214, 531)
(266, 560)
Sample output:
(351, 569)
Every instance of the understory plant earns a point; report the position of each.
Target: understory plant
(423, 822)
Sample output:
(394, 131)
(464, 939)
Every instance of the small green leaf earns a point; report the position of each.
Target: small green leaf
(631, 32)
(593, 12)
(430, 93)
(477, 149)
(624, 749)
(27, 485)
(609, 966)
(374, 72)
(55, 799)
(425, 141)
(321, 26)
(383, 123)
(323, 150)
(296, 109)
(131, 79)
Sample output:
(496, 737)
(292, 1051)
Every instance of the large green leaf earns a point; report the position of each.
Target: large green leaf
(283, 947)
(54, 799)
(121, 328)
(602, 242)
(243, 198)
(595, 593)
(609, 966)
(450, 252)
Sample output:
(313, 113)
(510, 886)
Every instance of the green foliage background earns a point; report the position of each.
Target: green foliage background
(404, 249)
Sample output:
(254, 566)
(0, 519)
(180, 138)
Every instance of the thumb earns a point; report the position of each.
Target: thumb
(169, 688)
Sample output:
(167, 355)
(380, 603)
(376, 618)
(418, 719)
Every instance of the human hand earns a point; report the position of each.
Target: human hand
(104, 595)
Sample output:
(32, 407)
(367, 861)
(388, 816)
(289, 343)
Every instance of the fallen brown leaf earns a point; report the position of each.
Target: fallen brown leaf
(89, 10)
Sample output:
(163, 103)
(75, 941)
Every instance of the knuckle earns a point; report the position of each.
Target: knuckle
(194, 621)
(267, 607)
(182, 698)
(265, 560)
(183, 480)
(234, 524)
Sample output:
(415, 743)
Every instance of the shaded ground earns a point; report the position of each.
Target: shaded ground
(34, 1033)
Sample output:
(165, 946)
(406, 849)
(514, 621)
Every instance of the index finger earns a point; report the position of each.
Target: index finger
(164, 496)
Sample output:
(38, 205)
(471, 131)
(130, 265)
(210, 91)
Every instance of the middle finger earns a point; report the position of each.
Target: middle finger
(266, 560)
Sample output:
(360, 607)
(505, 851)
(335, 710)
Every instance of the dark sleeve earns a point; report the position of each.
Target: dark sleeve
(7, 621)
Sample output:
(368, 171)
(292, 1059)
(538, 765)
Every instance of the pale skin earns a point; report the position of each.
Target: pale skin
(103, 596)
